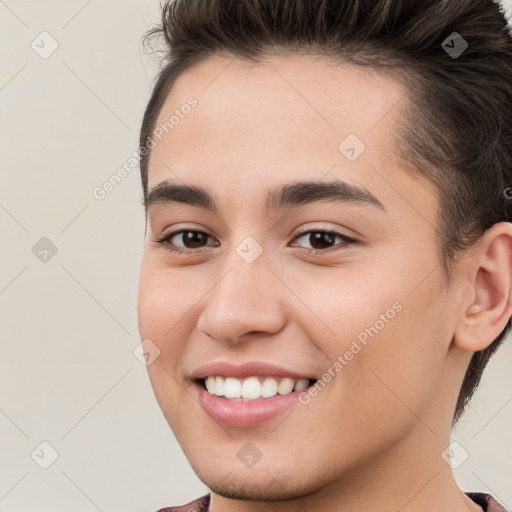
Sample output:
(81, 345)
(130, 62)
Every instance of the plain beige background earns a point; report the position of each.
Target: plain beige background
(68, 327)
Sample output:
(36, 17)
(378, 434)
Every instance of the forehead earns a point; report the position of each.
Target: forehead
(293, 97)
(285, 118)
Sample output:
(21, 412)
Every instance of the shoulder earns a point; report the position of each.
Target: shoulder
(202, 504)
(487, 502)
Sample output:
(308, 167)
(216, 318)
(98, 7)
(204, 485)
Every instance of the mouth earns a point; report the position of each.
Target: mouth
(249, 401)
(253, 387)
(249, 393)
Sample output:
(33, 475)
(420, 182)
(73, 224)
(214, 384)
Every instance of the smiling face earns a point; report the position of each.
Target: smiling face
(263, 282)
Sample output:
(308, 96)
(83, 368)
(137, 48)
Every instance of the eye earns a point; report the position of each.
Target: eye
(319, 238)
(186, 241)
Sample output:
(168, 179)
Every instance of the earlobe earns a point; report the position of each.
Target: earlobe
(490, 269)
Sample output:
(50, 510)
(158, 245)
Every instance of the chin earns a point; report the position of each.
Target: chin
(258, 484)
(269, 491)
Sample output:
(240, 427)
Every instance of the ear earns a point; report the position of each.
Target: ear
(488, 272)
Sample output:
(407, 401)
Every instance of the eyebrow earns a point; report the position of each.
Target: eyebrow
(288, 195)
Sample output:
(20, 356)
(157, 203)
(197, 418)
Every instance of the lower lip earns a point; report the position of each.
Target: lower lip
(231, 413)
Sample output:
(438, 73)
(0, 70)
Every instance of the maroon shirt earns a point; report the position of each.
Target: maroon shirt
(487, 502)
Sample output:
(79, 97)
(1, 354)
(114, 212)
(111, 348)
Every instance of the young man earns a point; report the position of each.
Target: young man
(328, 258)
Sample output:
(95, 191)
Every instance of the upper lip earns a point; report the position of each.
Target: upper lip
(248, 369)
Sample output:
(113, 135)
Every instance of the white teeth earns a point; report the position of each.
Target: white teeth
(285, 386)
(232, 388)
(210, 385)
(251, 388)
(269, 388)
(219, 386)
(301, 384)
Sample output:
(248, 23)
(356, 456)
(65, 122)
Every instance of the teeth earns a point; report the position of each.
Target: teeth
(301, 384)
(210, 385)
(269, 388)
(252, 388)
(219, 386)
(285, 386)
(232, 388)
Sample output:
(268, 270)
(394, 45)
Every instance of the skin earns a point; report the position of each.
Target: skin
(372, 438)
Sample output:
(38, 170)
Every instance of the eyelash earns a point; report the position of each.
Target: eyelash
(164, 241)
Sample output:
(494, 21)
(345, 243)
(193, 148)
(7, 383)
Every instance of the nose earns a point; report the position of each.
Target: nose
(246, 298)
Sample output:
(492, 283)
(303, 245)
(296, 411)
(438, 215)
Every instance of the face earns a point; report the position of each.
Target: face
(338, 281)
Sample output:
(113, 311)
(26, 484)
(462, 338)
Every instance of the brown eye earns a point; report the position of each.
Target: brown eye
(191, 239)
(185, 241)
(323, 240)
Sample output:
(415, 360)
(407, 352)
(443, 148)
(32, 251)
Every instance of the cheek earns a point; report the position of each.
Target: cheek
(163, 301)
(392, 342)
(165, 314)
(400, 363)
(344, 307)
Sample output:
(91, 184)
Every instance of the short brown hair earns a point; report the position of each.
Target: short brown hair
(458, 127)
